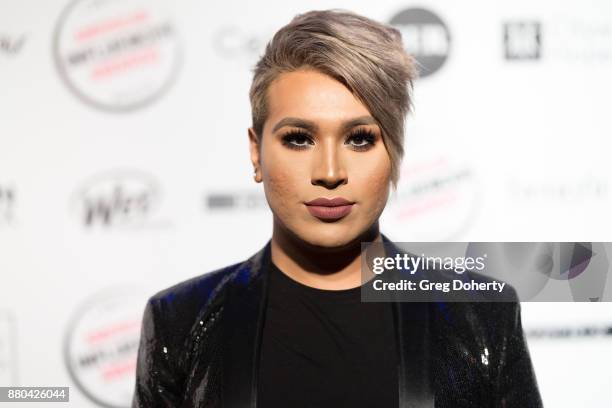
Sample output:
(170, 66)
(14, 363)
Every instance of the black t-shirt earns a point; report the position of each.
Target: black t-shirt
(325, 348)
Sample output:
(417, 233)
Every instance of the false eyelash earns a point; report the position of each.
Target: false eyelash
(366, 134)
(294, 134)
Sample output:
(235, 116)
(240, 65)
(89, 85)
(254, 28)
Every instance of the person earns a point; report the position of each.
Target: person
(286, 327)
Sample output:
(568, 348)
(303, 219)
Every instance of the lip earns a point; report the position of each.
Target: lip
(329, 202)
(329, 209)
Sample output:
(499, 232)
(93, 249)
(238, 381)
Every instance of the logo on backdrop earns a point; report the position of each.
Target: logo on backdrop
(437, 199)
(116, 55)
(570, 333)
(101, 346)
(7, 204)
(117, 198)
(576, 190)
(232, 42)
(235, 201)
(10, 44)
(522, 40)
(425, 36)
(8, 365)
(568, 38)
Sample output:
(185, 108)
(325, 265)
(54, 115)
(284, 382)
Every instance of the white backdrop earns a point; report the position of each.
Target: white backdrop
(124, 165)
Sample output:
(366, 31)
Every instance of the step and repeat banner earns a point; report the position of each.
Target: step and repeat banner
(124, 165)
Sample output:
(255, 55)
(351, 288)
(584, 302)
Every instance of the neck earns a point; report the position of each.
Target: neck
(330, 268)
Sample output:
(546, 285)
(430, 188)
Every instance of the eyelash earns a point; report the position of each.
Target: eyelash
(365, 134)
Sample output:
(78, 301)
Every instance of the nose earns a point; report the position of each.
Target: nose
(328, 169)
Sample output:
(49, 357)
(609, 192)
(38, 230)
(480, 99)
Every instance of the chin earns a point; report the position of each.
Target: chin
(328, 235)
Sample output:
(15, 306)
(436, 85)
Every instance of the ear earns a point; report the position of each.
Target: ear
(255, 154)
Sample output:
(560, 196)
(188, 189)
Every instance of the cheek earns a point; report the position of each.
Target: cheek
(280, 183)
(278, 186)
(374, 181)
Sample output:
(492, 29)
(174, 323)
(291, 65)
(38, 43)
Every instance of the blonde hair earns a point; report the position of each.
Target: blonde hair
(366, 56)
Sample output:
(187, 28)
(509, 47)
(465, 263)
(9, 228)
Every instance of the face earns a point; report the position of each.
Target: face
(320, 141)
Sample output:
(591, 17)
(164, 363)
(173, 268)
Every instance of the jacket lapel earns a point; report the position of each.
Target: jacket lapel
(412, 328)
(244, 310)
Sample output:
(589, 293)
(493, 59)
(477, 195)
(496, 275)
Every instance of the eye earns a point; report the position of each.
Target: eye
(364, 139)
(295, 139)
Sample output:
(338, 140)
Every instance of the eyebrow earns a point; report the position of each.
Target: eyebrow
(312, 126)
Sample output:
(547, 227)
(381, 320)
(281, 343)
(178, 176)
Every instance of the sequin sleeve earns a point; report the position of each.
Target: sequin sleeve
(156, 381)
(517, 381)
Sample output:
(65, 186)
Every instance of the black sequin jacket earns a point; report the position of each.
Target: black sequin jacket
(200, 340)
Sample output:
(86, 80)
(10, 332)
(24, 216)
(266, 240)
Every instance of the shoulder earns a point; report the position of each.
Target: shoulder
(190, 296)
(168, 320)
(484, 322)
(177, 312)
(491, 313)
(174, 311)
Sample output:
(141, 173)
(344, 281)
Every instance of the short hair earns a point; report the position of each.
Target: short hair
(366, 56)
